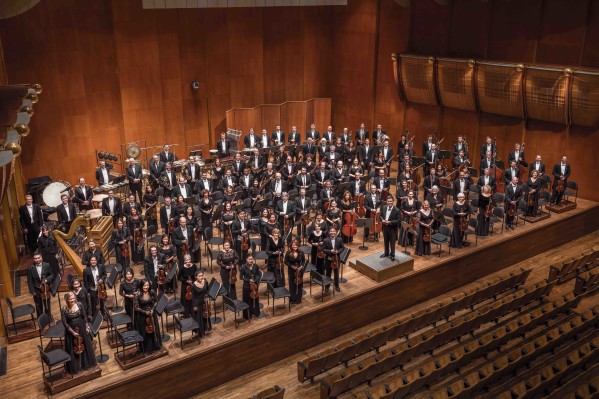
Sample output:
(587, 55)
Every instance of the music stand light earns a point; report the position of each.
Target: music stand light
(366, 223)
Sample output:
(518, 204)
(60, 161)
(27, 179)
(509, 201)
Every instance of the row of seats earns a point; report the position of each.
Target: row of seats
(589, 389)
(559, 370)
(371, 367)
(346, 350)
(586, 282)
(488, 374)
(444, 363)
(567, 270)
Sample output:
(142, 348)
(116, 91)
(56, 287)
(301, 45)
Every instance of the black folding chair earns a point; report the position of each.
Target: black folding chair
(55, 331)
(321, 280)
(441, 237)
(277, 293)
(235, 306)
(51, 359)
(20, 311)
(185, 325)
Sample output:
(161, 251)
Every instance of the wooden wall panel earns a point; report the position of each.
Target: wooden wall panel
(421, 120)
(590, 51)
(469, 28)
(429, 27)
(271, 116)
(582, 155)
(321, 113)
(296, 116)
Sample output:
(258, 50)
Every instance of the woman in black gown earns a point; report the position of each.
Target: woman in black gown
(186, 276)
(47, 246)
(201, 303)
(206, 209)
(534, 189)
(346, 207)
(227, 219)
(81, 296)
(263, 222)
(401, 193)
(136, 224)
(217, 173)
(351, 152)
(409, 208)
(334, 215)
(355, 167)
(425, 222)
(485, 198)
(73, 318)
(170, 259)
(461, 209)
(150, 200)
(120, 238)
(250, 274)
(193, 221)
(228, 260)
(144, 304)
(128, 288)
(274, 249)
(315, 239)
(294, 259)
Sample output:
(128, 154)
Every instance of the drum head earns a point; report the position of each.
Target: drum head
(133, 151)
(53, 191)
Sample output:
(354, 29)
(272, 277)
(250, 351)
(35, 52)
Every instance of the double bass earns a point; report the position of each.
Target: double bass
(377, 225)
(360, 210)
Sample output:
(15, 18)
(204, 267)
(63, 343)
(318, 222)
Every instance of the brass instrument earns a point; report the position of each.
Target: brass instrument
(164, 182)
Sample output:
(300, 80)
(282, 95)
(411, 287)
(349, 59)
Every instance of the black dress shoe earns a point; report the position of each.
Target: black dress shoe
(393, 258)
(326, 290)
(383, 256)
(337, 289)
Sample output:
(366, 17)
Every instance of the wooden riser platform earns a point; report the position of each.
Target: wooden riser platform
(61, 382)
(565, 206)
(132, 358)
(534, 219)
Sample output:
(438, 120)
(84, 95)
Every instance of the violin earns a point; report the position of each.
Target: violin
(228, 235)
(45, 288)
(125, 250)
(489, 210)
(426, 234)
(335, 262)
(161, 277)
(233, 275)
(298, 277)
(188, 295)
(78, 344)
(464, 222)
(245, 242)
(531, 198)
(150, 324)
(101, 289)
(185, 249)
(287, 224)
(320, 254)
(512, 209)
(253, 290)
(414, 222)
(560, 186)
(280, 263)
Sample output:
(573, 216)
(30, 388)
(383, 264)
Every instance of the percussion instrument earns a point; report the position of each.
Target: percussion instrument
(97, 200)
(54, 190)
(53, 217)
(133, 151)
(213, 153)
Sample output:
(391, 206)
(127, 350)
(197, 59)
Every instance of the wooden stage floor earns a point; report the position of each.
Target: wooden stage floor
(24, 368)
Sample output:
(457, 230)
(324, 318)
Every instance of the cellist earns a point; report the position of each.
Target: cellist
(372, 203)
(345, 205)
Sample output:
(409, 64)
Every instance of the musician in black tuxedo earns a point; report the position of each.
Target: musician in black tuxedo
(66, 213)
(513, 195)
(152, 264)
(487, 146)
(366, 154)
(288, 172)
(156, 167)
(134, 175)
(285, 210)
(170, 179)
(238, 165)
(183, 235)
(511, 172)
(246, 180)
(103, 173)
(309, 148)
(167, 212)
(327, 193)
(303, 179)
(166, 155)
(321, 175)
(487, 179)
(358, 187)
(460, 159)
(429, 181)
(295, 141)
(228, 180)
(223, 146)
(461, 185)
(460, 145)
(192, 170)
(182, 189)
(277, 187)
(537, 165)
(427, 145)
(329, 135)
(111, 206)
(487, 162)
(381, 182)
(302, 207)
(240, 227)
(91, 276)
(92, 250)
(387, 152)
(561, 171)
(264, 140)
(130, 204)
(250, 140)
(31, 221)
(372, 203)
(390, 218)
(377, 134)
(323, 149)
(345, 137)
(204, 184)
(313, 133)
(83, 196)
(517, 155)
(431, 159)
(332, 247)
(361, 134)
(278, 136)
(36, 273)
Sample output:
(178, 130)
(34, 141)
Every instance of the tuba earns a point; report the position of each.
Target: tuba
(164, 182)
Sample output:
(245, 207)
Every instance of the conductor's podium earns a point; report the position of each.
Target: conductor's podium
(381, 269)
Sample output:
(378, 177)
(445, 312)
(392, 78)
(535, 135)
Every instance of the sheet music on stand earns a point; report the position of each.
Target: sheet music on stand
(234, 136)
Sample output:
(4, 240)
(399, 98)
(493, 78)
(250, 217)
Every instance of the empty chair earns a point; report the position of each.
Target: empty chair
(56, 331)
(320, 280)
(19, 311)
(186, 325)
(235, 306)
(314, 365)
(277, 293)
(441, 237)
(52, 359)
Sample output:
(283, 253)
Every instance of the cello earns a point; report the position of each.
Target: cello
(377, 225)
(349, 228)
(360, 210)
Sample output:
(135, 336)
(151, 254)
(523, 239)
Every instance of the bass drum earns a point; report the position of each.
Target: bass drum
(54, 190)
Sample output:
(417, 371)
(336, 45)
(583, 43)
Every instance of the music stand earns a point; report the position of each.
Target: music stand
(500, 165)
(111, 281)
(408, 229)
(95, 327)
(343, 257)
(213, 293)
(444, 154)
(160, 307)
(54, 289)
(417, 161)
(171, 277)
(366, 223)
(344, 187)
(473, 172)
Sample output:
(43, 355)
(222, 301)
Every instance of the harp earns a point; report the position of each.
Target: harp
(72, 243)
